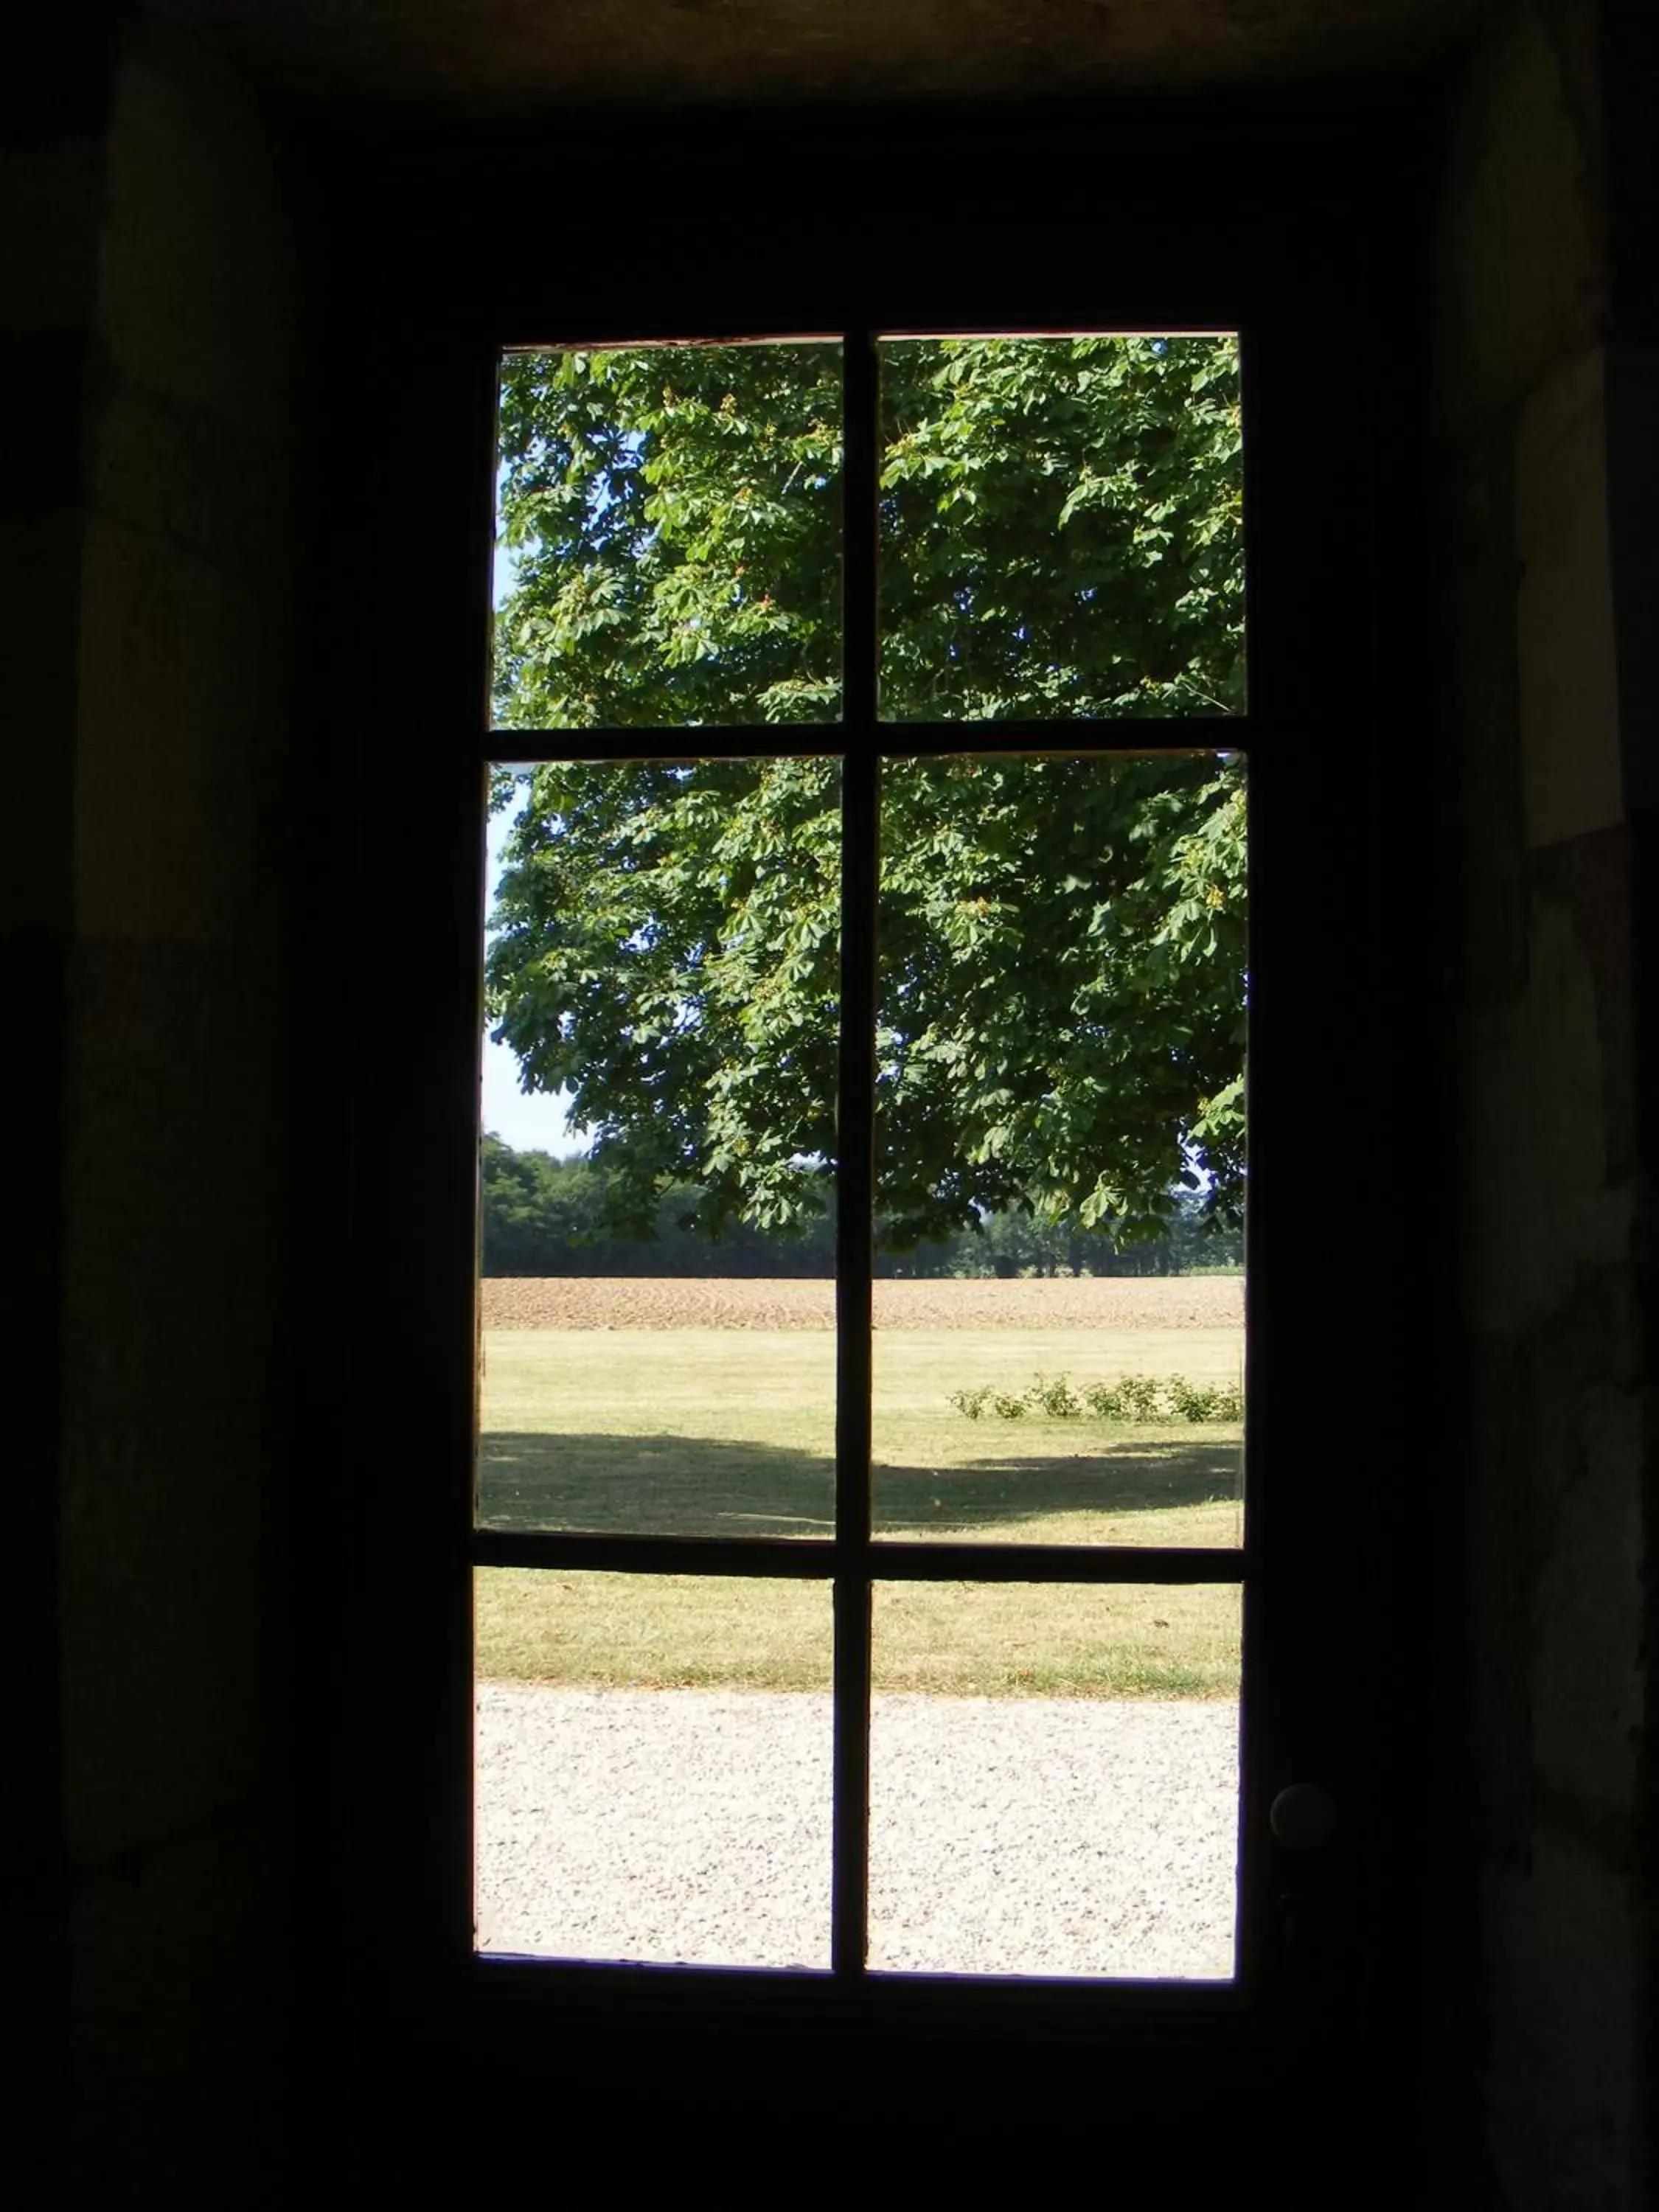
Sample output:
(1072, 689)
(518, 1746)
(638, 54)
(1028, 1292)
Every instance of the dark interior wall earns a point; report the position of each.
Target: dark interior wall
(151, 870)
(1549, 1170)
(51, 184)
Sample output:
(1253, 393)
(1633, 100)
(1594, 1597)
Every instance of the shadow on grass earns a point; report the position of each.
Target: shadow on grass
(1130, 1477)
(671, 1486)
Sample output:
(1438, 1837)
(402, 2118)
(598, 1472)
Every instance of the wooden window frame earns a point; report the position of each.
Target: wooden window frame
(1311, 270)
(853, 1559)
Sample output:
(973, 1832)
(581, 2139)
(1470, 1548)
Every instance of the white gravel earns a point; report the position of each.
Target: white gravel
(1031, 1836)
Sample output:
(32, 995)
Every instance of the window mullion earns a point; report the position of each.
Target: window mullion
(1176, 736)
(855, 1159)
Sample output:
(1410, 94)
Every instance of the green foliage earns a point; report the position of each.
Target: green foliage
(1202, 1401)
(666, 950)
(1062, 942)
(1164, 1399)
(1194, 1240)
(1050, 1038)
(548, 1216)
(1132, 1398)
(1061, 528)
(1061, 532)
(1053, 1038)
(1053, 1395)
(542, 1216)
(675, 518)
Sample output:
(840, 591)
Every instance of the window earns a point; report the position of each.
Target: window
(914, 738)
(1300, 241)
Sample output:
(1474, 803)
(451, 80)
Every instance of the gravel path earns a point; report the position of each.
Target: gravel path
(1007, 1836)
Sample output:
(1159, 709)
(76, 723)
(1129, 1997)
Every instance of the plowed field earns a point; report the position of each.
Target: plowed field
(650, 1302)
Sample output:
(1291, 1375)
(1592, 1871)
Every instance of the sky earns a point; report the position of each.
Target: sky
(529, 1124)
(536, 1122)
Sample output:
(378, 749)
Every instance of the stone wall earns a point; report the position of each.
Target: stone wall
(152, 556)
(1548, 1185)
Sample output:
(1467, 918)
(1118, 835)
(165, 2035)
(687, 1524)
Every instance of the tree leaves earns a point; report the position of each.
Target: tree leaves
(675, 513)
(1061, 528)
(1061, 1019)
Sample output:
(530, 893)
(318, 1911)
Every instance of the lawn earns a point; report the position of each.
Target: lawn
(717, 1432)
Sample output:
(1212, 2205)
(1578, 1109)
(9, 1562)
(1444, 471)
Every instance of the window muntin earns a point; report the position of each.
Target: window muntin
(853, 1559)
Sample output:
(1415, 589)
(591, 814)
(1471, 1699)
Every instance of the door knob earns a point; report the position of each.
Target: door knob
(1302, 1817)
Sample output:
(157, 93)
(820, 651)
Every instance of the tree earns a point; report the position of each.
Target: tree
(1062, 941)
(537, 1212)
(548, 1216)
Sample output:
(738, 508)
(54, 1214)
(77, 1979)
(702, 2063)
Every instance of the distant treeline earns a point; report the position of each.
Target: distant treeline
(548, 1216)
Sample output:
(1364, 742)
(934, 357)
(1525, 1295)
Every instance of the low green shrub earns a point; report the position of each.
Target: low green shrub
(1166, 1398)
(972, 1403)
(1054, 1396)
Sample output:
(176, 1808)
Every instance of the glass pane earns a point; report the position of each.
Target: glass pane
(1061, 528)
(1060, 1135)
(657, 1351)
(667, 534)
(653, 1768)
(1055, 1779)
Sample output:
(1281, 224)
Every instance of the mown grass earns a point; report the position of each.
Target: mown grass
(962, 1639)
(728, 1431)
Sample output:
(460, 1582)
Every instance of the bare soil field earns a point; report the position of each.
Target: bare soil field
(1109, 1301)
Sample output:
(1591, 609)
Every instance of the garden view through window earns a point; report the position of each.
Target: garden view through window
(859, 1558)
